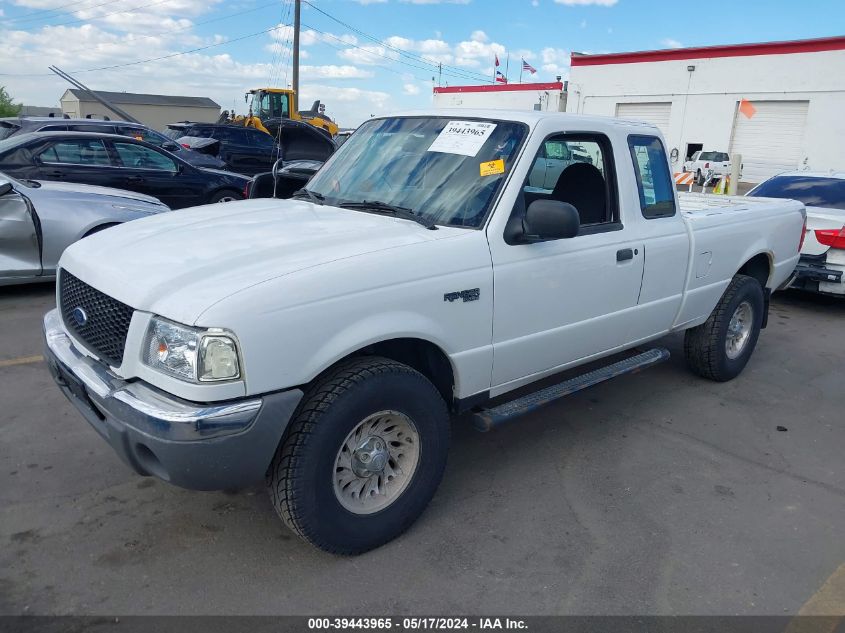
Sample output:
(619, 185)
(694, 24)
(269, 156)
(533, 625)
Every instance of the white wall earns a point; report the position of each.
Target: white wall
(704, 101)
(501, 100)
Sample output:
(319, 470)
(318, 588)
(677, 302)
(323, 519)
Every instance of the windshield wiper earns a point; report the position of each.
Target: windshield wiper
(375, 206)
(313, 196)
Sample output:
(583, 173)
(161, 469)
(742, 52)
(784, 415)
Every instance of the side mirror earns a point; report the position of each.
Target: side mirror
(550, 220)
(5, 187)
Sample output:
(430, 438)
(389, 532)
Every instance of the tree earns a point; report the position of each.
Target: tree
(7, 107)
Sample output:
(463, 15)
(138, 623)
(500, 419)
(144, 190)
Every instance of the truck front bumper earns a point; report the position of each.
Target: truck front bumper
(200, 446)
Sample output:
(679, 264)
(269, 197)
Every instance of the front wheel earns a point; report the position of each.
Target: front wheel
(362, 457)
(720, 347)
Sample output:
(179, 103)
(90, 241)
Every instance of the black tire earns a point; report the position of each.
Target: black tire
(705, 346)
(227, 195)
(300, 477)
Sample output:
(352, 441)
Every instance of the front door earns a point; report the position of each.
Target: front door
(19, 248)
(563, 300)
(155, 173)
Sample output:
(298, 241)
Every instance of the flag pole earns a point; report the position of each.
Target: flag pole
(507, 67)
(521, 68)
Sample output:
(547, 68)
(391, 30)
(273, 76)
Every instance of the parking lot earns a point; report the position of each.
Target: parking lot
(657, 493)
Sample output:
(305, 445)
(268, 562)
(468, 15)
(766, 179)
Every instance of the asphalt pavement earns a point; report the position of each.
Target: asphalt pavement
(655, 493)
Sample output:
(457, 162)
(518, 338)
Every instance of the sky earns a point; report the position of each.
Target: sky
(360, 57)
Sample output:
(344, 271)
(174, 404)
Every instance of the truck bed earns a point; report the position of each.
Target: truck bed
(701, 204)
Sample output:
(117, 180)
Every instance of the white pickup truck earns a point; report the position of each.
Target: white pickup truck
(322, 342)
(707, 165)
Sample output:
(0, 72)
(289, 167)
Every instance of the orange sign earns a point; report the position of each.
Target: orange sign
(747, 108)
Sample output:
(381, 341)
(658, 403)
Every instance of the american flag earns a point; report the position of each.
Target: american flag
(528, 67)
(500, 78)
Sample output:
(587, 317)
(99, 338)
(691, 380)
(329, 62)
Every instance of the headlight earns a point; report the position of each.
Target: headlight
(192, 354)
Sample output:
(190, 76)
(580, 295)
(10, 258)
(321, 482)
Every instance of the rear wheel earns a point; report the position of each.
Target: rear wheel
(362, 457)
(720, 348)
(226, 196)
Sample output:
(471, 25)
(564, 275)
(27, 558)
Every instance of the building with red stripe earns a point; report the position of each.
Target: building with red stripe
(796, 90)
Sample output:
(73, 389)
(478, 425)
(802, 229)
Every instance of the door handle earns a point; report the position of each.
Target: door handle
(624, 254)
(134, 179)
(54, 173)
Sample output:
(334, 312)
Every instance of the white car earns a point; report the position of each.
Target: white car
(707, 164)
(321, 343)
(822, 265)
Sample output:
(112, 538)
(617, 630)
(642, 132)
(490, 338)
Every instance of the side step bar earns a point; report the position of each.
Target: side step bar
(486, 419)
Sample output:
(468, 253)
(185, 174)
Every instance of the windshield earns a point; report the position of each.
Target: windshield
(273, 105)
(707, 156)
(444, 170)
(813, 192)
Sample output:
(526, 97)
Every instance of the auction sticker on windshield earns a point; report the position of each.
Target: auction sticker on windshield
(462, 137)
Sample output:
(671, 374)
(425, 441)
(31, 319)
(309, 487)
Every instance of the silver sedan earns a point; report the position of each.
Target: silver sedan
(38, 220)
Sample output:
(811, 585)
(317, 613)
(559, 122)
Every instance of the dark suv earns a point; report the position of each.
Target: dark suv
(249, 151)
(12, 126)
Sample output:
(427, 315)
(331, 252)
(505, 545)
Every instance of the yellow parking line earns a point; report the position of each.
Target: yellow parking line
(830, 598)
(23, 360)
(826, 607)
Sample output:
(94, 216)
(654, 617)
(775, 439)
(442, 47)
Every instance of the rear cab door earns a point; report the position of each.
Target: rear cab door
(82, 160)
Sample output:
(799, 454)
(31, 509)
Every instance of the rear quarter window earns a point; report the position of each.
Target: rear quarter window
(828, 193)
(654, 182)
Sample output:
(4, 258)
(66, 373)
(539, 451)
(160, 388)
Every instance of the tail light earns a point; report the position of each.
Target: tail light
(803, 235)
(247, 187)
(831, 237)
(706, 165)
(186, 146)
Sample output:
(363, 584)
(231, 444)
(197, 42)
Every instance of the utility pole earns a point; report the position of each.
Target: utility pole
(296, 9)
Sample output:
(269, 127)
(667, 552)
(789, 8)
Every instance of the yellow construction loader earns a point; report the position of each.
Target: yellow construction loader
(268, 106)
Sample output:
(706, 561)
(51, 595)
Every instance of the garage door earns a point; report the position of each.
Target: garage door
(770, 141)
(656, 113)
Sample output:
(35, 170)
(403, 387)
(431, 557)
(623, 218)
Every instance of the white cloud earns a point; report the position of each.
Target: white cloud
(555, 60)
(410, 89)
(334, 72)
(436, 1)
(478, 36)
(671, 43)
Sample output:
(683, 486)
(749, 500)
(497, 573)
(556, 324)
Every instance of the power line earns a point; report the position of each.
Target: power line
(105, 15)
(429, 69)
(57, 10)
(151, 59)
(459, 72)
(87, 49)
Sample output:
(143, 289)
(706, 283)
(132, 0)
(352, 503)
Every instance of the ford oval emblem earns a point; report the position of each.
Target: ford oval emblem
(79, 316)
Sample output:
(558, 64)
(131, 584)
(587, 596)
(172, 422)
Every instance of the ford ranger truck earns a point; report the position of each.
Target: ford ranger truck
(321, 343)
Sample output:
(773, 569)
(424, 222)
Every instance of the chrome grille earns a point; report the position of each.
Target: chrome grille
(94, 318)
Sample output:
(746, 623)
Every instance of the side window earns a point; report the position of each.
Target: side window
(140, 157)
(53, 128)
(654, 182)
(141, 134)
(97, 129)
(576, 169)
(76, 152)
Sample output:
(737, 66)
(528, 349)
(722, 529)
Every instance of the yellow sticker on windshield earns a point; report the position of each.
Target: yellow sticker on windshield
(493, 167)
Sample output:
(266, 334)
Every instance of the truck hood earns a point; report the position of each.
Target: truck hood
(179, 264)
